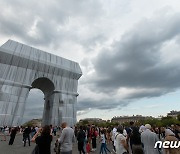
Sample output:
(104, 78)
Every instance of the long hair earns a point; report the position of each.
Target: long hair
(46, 130)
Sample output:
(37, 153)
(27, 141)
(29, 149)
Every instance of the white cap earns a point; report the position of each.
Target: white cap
(148, 126)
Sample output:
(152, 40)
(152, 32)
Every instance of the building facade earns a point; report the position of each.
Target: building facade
(173, 114)
(123, 119)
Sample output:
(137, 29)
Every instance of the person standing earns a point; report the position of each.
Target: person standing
(103, 143)
(26, 136)
(108, 135)
(36, 128)
(148, 139)
(54, 130)
(81, 138)
(121, 144)
(3, 133)
(93, 137)
(170, 136)
(88, 147)
(130, 135)
(66, 139)
(136, 140)
(114, 132)
(12, 135)
(43, 139)
(7, 131)
(33, 131)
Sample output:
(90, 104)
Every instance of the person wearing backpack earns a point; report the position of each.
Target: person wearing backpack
(130, 138)
(121, 145)
(136, 141)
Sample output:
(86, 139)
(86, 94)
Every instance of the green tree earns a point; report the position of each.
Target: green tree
(85, 122)
(178, 117)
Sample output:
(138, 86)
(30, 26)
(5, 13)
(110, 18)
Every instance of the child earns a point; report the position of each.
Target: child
(88, 148)
(103, 142)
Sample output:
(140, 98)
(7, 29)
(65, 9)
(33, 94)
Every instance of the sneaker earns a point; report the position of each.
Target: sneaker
(113, 150)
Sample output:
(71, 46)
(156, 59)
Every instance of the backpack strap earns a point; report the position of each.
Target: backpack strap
(116, 135)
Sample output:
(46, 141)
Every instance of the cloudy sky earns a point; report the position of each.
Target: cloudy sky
(129, 51)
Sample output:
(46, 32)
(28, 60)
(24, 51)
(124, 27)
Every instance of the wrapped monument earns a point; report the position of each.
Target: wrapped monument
(22, 68)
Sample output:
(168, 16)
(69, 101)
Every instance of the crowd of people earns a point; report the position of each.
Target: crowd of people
(129, 140)
(118, 139)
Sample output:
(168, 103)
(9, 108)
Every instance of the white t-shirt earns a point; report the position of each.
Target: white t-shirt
(6, 131)
(125, 133)
(114, 133)
(142, 129)
(36, 128)
(103, 139)
(119, 147)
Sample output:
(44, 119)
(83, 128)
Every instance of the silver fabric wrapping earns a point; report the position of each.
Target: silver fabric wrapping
(23, 67)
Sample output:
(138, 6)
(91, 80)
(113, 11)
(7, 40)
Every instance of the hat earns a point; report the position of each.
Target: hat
(148, 126)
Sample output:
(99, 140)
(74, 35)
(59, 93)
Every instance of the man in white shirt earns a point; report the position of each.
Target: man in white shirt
(149, 138)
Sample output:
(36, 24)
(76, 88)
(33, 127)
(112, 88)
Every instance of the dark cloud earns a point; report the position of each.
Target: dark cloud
(148, 93)
(52, 23)
(100, 104)
(135, 61)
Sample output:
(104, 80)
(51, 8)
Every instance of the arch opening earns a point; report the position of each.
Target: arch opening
(44, 84)
(34, 106)
(47, 87)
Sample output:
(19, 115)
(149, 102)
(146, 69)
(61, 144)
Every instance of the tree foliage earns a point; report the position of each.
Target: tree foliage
(154, 122)
(178, 117)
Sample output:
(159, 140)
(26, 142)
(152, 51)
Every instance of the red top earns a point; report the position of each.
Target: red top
(88, 148)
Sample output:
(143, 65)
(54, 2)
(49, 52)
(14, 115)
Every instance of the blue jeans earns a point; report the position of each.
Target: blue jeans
(104, 148)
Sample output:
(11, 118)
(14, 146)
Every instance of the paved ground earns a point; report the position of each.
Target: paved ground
(17, 147)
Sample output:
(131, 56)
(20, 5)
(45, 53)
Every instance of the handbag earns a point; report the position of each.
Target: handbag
(35, 150)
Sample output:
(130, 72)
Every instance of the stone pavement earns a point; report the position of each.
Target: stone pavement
(17, 147)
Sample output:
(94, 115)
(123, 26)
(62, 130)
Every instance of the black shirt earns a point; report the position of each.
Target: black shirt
(135, 136)
(27, 131)
(81, 136)
(44, 144)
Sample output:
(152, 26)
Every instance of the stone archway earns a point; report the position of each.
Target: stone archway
(22, 68)
(47, 87)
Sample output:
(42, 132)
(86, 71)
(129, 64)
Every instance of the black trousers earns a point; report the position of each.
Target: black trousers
(25, 137)
(69, 152)
(11, 141)
(94, 143)
(81, 147)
